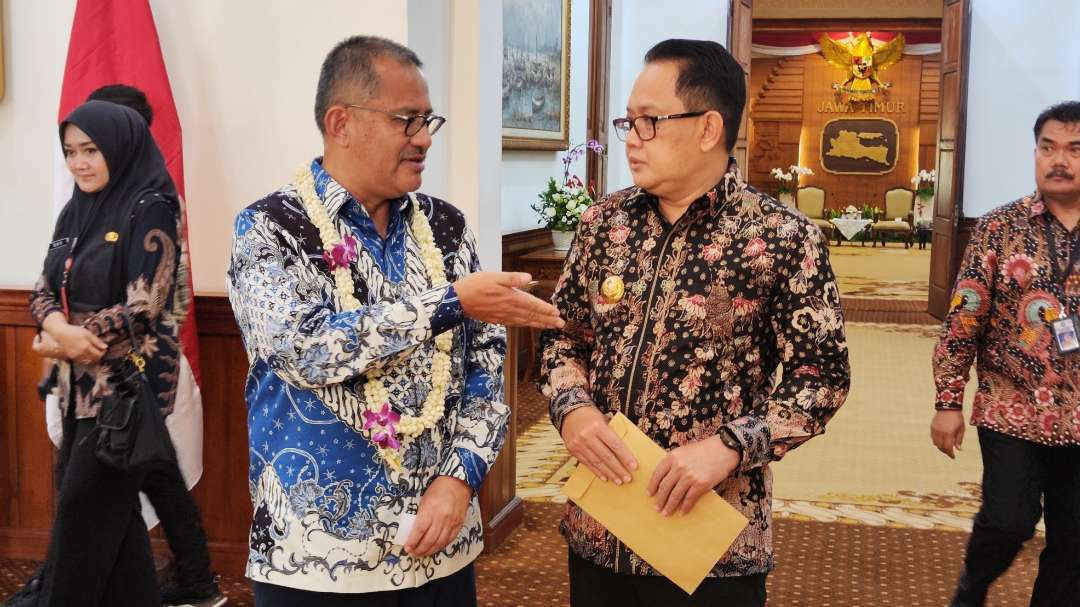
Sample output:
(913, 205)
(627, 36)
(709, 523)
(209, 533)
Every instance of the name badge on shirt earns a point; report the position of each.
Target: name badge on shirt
(1065, 335)
(56, 244)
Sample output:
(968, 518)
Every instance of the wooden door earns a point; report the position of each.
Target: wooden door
(948, 209)
(597, 123)
(740, 28)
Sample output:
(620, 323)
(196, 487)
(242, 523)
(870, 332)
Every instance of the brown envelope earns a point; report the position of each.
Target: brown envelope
(682, 547)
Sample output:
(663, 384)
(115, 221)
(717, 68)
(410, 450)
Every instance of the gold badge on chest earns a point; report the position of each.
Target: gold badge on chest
(612, 289)
(111, 237)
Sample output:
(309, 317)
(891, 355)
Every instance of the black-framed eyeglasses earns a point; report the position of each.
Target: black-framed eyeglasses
(413, 123)
(646, 125)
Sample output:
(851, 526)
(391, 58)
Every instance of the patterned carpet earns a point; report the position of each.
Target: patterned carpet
(819, 565)
(892, 272)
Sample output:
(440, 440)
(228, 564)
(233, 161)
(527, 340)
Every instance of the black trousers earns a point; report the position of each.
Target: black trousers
(180, 520)
(99, 552)
(176, 509)
(455, 590)
(595, 586)
(1022, 481)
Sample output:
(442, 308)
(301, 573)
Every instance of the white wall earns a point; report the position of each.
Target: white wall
(1024, 57)
(525, 173)
(243, 74)
(636, 27)
(33, 65)
(476, 138)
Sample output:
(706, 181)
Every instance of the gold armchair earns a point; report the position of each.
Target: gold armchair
(810, 201)
(899, 217)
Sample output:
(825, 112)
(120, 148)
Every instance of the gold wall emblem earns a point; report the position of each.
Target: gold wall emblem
(863, 62)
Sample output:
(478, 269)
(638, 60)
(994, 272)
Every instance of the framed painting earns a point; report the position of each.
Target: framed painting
(536, 74)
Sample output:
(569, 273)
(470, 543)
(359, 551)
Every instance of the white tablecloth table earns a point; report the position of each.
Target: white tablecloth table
(850, 228)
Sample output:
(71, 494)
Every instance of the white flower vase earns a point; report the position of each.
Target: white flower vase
(562, 239)
(787, 198)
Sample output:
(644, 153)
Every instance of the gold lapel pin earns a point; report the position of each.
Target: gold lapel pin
(111, 237)
(612, 289)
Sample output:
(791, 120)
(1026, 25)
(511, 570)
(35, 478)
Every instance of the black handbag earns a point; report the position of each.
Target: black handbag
(131, 430)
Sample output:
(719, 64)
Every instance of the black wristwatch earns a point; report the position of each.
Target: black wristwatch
(727, 436)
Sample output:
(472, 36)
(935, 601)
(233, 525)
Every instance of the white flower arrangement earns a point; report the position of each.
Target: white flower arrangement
(789, 179)
(924, 183)
(561, 205)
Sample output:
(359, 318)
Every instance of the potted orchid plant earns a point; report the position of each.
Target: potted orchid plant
(924, 194)
(562, 203)
(789, 181)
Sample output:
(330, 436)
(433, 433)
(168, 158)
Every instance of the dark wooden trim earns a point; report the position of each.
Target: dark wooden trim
(23, 544)
(952, 129)
(15, 308)
(215, 316)
(843, 25)
(502, 525)
(740, 42)
(596, 126)
(516, 244)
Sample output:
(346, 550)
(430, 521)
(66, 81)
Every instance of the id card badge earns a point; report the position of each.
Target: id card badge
(1065, 335)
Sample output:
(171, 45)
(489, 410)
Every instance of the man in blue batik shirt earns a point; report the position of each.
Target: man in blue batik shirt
(357, 430)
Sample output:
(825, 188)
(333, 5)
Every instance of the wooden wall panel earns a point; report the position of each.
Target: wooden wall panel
(842, 190)
(26, 455)
(786, 124)
(775, 101)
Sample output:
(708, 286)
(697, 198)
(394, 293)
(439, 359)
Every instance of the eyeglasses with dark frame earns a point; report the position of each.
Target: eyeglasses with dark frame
(413, 123)
(646, 125)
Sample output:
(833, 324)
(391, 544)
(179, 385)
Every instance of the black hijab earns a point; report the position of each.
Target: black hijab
(93, 228)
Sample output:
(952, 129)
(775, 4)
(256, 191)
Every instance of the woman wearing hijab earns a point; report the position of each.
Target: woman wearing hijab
(115, 243)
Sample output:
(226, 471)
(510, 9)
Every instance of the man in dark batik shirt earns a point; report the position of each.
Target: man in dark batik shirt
(1014, 308)
(682, 296)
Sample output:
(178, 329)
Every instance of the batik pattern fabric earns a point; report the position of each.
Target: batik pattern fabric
(1006, 296)
(157, 302)
(326, 507)
(713, 305)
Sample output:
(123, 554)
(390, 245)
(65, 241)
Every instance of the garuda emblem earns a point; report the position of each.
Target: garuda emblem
(863, 61)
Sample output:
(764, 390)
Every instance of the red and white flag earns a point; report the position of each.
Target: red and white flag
(116, 42)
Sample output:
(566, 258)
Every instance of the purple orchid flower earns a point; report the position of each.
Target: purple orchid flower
(341, 254)
(386, 440)
(576, 152)
(386, 419)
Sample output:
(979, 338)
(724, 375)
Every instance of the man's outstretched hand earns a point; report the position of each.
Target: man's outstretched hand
(496, 297)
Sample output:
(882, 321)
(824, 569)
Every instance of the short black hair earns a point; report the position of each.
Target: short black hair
(709, 79)
(351, 62)
(127, 95)
(1066, 111)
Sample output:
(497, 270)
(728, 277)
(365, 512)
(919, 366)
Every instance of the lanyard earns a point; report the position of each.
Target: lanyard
(1055, 268)
(70, 261)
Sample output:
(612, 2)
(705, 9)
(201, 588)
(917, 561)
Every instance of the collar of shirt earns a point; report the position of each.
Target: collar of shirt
(717, 198)
(388, 252)
(1036, 206)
